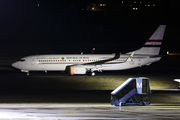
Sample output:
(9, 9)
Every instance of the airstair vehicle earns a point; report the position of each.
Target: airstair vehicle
(125, 94)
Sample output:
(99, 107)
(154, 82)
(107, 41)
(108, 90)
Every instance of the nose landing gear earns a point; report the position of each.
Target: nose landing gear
(26, 71)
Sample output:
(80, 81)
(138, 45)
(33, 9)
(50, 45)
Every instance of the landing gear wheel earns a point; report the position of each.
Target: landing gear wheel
(27, 73)
(93, 74)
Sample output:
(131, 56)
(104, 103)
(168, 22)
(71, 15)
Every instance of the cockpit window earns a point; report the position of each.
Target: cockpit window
(22, 60)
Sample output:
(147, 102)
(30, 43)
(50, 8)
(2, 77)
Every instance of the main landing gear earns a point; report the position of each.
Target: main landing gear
(92, 73)
(28, 73)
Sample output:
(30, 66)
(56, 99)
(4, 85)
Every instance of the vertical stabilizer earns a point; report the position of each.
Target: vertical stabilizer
(153, 45)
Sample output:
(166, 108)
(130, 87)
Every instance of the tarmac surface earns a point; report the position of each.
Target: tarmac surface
(88, 111)
(42, 96)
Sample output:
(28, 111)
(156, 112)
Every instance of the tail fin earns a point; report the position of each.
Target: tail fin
(153, 45)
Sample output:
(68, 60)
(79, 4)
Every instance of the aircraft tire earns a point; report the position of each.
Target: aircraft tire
(93, 74)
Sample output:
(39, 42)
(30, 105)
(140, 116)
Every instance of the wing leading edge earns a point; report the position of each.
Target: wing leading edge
(103, 61)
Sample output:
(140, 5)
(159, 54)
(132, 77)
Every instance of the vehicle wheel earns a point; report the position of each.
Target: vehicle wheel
(141, 104)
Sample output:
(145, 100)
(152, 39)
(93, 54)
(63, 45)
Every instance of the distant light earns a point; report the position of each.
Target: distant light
(92, 8)
(140, 2)
(122, 1)
(130, 4)
(148, 5)
(145, 4)
(135, 8)
(102, 4)
(168, 53)
(38, 5)
(134, 1)
(154, 5)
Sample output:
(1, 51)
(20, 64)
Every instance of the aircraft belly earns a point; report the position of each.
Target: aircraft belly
(51, 67)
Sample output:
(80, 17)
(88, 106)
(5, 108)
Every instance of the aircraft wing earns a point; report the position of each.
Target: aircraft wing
(98, 66)
(115, 57)
(95, 66)
(103, 61)
(90, 67)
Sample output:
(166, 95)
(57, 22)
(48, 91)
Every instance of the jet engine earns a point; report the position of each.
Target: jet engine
(77, 70)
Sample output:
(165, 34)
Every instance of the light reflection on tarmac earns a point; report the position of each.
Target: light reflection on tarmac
(88, 111)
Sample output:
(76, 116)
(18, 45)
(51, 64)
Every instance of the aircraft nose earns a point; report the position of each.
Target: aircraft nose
(15, 64)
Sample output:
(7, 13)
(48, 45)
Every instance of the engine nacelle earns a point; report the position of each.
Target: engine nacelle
(77, 70)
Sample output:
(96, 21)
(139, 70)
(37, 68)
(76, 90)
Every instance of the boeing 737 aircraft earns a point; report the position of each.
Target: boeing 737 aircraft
(90, 63)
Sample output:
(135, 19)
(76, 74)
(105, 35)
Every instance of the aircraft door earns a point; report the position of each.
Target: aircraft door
(139, 62)
(33, 61)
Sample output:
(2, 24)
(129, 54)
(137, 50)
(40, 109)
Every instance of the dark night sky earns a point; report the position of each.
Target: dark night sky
(62, 23)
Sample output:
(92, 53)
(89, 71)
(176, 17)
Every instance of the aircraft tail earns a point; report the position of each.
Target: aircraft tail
(153, 45)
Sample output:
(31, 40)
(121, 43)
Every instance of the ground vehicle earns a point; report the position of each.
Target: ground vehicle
(126, 93)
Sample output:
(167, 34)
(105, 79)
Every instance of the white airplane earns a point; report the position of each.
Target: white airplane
(90, 63)
(177, 80)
